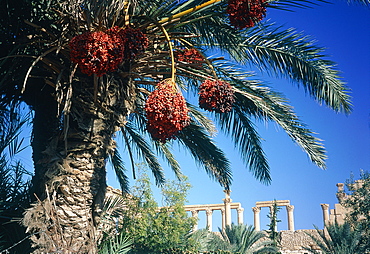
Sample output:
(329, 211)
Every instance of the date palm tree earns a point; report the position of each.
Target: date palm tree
(88, 69)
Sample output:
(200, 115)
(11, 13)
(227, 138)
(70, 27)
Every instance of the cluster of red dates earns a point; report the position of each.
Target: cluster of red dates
(166, 111)
(191, 56)
(245, 13)
(101, 52)
(216, 95)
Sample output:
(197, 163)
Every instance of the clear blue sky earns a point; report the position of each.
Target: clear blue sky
(345, 31)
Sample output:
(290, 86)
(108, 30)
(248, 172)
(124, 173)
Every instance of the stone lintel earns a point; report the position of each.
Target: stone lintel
(271, 203)
(211, 207)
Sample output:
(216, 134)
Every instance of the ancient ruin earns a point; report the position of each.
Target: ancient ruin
(292, 241)
(286, 203)
(225, 209)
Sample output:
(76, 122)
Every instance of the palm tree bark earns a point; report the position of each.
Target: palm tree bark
(70, 166)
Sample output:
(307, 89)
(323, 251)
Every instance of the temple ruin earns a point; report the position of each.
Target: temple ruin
(225, 209)
(286, 203)
(291, 240)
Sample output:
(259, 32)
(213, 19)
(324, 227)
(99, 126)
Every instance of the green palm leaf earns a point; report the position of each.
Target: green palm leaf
(143, 150)
(281, 52)
(294, 56)
(120, 170)
(119, 244)
(206, 153)
(168, 156)
(164, 150)
(242, 131)
(261, 102)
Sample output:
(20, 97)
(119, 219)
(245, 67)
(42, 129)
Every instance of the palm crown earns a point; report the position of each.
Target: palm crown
(172, 28)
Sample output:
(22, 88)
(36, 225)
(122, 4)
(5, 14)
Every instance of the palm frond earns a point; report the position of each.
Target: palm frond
(138, 120)
(239, 126)
(119, 244)
(279, 52)
(206, 153)
(11, 123)
(362, 2)
(262, 102)
(241, 239)
(275, 108)
(120, 170)
(113, 206)
(202, 120)
(164, 150)
(144, 151)
(294, 56)
(337, 238)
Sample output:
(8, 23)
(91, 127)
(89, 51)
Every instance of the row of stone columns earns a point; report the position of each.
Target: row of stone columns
(225, 212)
(227, 206)
(256, 211)
(226, 217)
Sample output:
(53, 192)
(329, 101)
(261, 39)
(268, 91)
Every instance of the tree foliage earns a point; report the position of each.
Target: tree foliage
(357, 202)
(155, 229)
(14, 182)
(353, 235)
(118, 244)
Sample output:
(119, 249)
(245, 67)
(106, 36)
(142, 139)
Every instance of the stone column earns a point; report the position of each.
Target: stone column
(256, 211)
(194, 213)
(340, 187)
(209, 213)
(325, 213)
(223, 218)
(240, 215)
(341, 195)
(290, 209)
(227, 200)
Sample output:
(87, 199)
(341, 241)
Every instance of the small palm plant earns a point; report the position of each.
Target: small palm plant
(337, 239)
(119, 244)
(242, 239)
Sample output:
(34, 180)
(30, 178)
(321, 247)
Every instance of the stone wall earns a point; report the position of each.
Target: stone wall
(292, 242)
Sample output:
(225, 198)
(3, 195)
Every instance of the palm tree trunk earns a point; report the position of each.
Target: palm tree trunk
(70, 175)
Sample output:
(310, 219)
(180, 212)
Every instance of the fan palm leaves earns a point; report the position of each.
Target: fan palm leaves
(241, 239)
(118, 244)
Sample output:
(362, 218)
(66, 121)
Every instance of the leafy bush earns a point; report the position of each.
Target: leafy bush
(154, 229)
